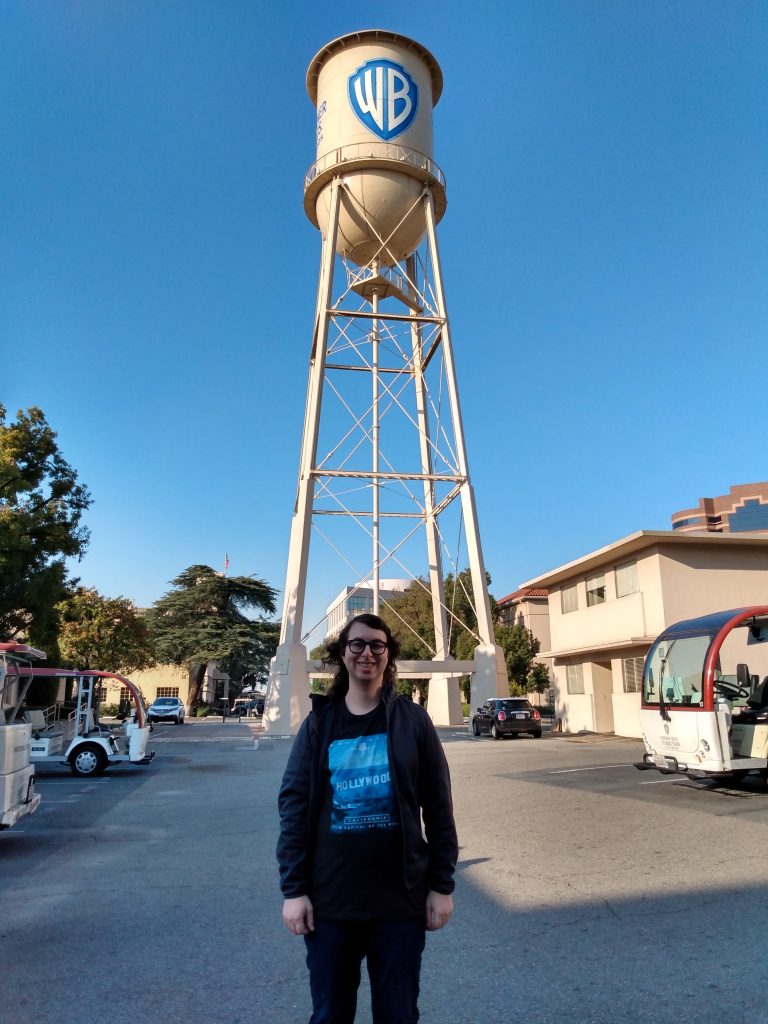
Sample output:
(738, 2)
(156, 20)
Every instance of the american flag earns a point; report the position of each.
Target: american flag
(226, 562)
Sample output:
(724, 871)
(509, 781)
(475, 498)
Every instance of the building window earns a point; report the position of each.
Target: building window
(507, 615)
(632, 674)
(753, 515)
(595, 590)
(167, 691)
(574, 678)
(682, 523)
(626, 579)
(569, 599)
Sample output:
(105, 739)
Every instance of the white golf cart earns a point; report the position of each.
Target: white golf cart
(704, 710)
(17, 776)
(79, 739)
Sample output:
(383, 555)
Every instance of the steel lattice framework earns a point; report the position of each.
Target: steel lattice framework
(383, 454)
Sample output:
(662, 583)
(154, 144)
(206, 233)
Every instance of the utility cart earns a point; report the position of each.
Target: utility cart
(78, 738)
(704, 710)
(17, 776)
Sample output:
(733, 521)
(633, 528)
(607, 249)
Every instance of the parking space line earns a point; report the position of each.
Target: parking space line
(596, 768)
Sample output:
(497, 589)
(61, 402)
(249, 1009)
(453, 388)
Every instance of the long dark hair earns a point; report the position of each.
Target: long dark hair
(340, 684)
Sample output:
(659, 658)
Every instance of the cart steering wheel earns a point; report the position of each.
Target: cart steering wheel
(728, 689)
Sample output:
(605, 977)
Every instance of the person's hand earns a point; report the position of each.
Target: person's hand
(299, 915)
(439, 910)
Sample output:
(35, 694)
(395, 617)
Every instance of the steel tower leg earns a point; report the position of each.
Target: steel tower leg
(288, 695)
(444, 700)
(490, 676)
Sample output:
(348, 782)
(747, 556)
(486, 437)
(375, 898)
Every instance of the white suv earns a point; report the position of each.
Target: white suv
(166, 709)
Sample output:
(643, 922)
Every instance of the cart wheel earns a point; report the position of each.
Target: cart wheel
(88, 760)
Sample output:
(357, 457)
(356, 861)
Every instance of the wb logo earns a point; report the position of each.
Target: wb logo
(384, 96)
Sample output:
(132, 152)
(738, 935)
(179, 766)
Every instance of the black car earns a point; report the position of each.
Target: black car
(506, 716)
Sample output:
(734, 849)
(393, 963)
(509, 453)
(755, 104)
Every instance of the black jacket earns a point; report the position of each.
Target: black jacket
(422, 788)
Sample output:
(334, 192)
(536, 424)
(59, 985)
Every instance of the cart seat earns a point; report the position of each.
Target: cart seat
(759, 697)
(36, 719)
(757, 705)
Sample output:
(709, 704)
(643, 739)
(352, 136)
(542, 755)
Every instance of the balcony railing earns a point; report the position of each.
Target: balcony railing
(364, 151)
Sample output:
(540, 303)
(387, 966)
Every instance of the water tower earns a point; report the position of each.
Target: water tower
(383, 449)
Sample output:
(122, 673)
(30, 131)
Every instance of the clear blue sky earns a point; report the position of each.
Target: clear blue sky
(605, 252)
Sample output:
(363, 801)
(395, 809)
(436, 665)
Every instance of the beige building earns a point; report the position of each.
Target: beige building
(606, 608)
(169, 681)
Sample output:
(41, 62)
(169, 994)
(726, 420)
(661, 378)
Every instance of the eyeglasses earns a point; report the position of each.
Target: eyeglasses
(358, 645)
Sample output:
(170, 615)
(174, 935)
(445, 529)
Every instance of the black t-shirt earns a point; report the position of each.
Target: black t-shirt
(357, 870)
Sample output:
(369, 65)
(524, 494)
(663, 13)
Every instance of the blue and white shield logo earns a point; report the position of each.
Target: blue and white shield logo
(384, 97)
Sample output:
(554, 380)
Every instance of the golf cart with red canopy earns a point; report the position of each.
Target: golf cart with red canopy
(704, 709)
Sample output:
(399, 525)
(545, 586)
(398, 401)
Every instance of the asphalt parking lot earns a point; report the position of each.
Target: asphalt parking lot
(587, 891)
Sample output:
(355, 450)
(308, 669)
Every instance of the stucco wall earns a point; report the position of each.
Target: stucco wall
(536, 615)
(696, 581)
(150, 679)
(574, 710)
(626, 713)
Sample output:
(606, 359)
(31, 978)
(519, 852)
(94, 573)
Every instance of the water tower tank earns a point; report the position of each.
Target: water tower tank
(374, 92)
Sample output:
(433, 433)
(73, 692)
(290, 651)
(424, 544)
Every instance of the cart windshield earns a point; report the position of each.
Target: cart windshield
(675, 668)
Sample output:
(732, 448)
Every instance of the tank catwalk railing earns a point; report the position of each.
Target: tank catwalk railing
(374, 151)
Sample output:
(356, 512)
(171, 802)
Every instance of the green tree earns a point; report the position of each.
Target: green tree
(410, 616)
(103, 633)
(41, 508)
(203, 619)
(538, 678)
(318, 684)
(252, 659)
(458, 590)
(520, 648)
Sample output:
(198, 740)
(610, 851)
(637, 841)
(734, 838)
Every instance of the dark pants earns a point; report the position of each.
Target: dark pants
(393, 949)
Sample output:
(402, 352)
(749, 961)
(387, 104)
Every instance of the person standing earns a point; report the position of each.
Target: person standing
(360, 877)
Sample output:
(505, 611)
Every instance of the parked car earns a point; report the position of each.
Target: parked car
(506, 716)
(243, 707)
(166, 709)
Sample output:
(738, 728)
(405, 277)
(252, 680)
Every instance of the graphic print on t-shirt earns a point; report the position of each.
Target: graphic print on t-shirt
(361, 783)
